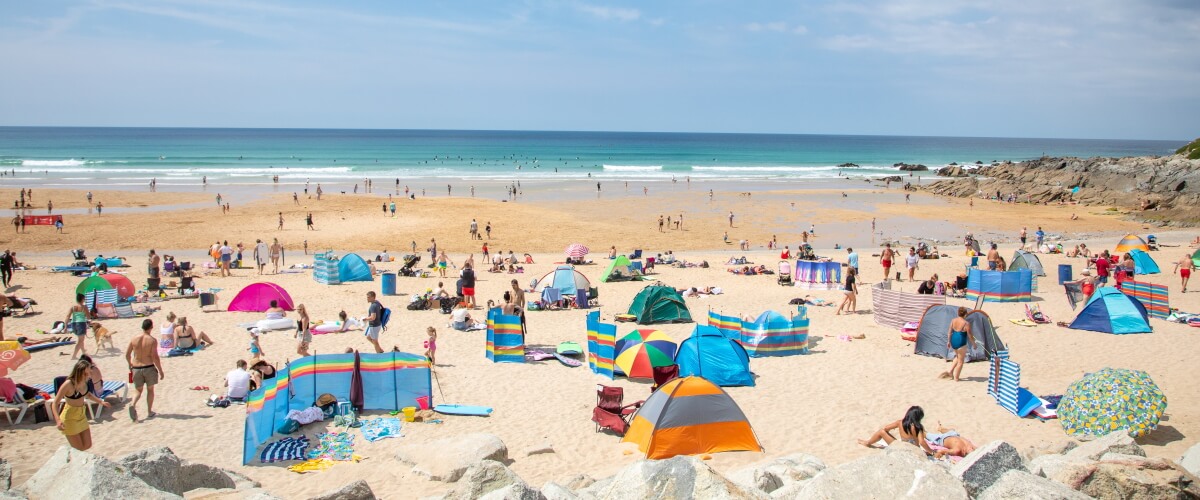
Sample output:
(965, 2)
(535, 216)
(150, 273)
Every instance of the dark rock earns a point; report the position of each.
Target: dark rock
(893, 178)
(1017, 485)
(358, 490)
(5, 475)
(986, 465)
(906, 167)
(848, 165)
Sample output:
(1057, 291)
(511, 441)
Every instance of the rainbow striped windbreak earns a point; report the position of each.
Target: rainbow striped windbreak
(1000, 286)
(772, 334)
(505, 343)
(601, 340)
(1154, 297)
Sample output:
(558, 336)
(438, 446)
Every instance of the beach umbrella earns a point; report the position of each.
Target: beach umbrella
(640, 351)
(1110, 400)
(576, 250)
(12, 355)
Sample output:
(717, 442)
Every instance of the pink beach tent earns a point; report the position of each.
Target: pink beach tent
(258, 297)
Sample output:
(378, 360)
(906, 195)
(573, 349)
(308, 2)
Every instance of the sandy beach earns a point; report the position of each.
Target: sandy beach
(817, 403)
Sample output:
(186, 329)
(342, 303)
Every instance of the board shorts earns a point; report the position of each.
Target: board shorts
(1185, 273)
(991, 265)
(79, 329)
(468, 292)
(144, 375)
(886, 263)
(305, 337)
(74, 419)
(372, 332)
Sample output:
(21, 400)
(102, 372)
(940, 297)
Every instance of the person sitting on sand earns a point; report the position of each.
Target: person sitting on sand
(954, 444)
(275, 312)
(929, 286)
(187, 338)
(460, 318)
(238, 381)
(910, 429)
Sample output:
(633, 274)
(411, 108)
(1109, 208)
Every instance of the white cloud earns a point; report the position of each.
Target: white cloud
(610, 13)
(775, 27)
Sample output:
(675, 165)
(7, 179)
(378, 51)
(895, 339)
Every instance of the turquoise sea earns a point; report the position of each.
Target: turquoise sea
(76, 157)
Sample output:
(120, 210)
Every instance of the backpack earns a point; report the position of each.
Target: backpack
(384, 316)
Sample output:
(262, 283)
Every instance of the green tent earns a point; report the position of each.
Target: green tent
(618, 270)
(1196, 258)
(91, 283)
(659, 304)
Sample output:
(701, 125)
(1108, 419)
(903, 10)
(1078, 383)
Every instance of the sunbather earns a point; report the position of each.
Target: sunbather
(910, 429)
(956, 445)
(187, 338)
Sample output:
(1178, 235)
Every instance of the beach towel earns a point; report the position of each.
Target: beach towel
(285, 449)
(380, 428)
(307, 415)
(334, 446)
(314, 465)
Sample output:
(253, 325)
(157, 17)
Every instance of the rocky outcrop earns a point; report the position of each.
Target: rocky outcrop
(358, 490)
(72, 474)
(848, 165)
(162, 470)
(952, 171)
(492, 480)
(1115, 442)
(678, 477)
(895, 473)
(1169, 186)
(984, 466)
(1017, 485)
(447, 459)
(782, 472)
(908, 167)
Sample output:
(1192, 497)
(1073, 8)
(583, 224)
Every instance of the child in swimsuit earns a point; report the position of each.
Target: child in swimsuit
(431, 344)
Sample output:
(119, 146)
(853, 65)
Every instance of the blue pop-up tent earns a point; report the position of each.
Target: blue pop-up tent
(1110, 311)
(709, 354)
(353, 268)
(1142, 263)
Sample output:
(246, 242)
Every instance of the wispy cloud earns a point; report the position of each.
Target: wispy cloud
(623, 14)
(776, 27)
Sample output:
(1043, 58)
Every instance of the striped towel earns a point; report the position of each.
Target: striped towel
(285, 449)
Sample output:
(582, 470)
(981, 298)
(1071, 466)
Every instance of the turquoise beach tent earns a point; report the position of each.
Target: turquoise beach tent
(709, 354)
(353, 268)
(1142, 263)
(1110, 311)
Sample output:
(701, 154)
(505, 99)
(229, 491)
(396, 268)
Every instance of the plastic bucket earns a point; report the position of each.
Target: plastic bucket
(388, 283)
(410, 413)
(1064, 273)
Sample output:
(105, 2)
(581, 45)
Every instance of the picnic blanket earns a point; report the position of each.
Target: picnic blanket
(334, 446)
(379, 428)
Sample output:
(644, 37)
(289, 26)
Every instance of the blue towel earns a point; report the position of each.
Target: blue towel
(285, 449)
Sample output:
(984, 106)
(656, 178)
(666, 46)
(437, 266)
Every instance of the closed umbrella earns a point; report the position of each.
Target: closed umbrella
(1111, 400)
(639, 352)
(576, 250)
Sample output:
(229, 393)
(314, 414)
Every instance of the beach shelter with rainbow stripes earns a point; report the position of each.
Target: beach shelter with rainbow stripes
(1000, 286)
(601, 345)
(689, 416)
(505, 340)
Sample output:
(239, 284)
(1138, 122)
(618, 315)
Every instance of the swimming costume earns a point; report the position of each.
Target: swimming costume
(940, 439)
(958, 339)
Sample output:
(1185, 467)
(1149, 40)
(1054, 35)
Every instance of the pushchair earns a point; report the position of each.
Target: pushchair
(785, 273)
(81, 259)
(410, 261)
(1152, 242)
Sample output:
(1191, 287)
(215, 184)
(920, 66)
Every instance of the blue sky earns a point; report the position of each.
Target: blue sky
(1068, 68)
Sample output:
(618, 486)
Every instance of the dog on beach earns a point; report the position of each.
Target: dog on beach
(102, 335)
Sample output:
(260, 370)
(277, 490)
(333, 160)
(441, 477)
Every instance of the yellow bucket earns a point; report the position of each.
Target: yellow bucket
(410, 413)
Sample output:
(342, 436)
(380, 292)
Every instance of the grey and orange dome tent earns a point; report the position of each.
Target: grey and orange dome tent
(689, 416)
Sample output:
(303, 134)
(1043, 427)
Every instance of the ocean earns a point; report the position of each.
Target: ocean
(86, 157)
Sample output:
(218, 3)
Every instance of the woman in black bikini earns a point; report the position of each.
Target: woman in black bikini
(71, 418)
(910, 428)
(186, 338)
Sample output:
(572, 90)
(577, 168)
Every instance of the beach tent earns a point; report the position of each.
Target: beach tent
(722, 361)
(774, 334)
(659, 304)
(92, 283)
(1110, 311)
(934, 332)
(351, 267)
(1000, 286)
(124, 287)
(565, 278)
(258, 297)
(690, 416)
(1142, 263)
(1130, 242)
(1196, 258)
(620, 269)
(1026, 260)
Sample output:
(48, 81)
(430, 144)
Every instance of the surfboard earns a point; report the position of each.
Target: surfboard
(38, 347)
(477, 411)
(569, 348)
(567, 361)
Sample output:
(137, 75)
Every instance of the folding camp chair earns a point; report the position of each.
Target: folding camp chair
(1035, 314)
(663, 374)
(125, 310)
(207, 299)
(609, 412)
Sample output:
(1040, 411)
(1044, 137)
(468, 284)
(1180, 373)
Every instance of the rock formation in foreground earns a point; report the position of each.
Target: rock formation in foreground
(1168, 186)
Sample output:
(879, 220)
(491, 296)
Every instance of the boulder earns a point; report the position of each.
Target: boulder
(984, 466)
(952, 171)
(227, 494)
(5, 475)
(1116, 442)
(1137, 461)
(885, 475)
(492, 479)
(892, 178)
(906, 167)
(771, 475)
(1051, 465)
(848, 165)
(447, 459)
(1018, 485)
(358, 490)
(1191, 460)
(1048, 448)
(554, 491)
(1105, 480)
(160, 468)
(579, 481)
(676, 477)
(71, 474)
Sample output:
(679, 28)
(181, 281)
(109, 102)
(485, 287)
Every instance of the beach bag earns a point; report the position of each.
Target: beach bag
(328, 404)
(384, 317)
(288, 426)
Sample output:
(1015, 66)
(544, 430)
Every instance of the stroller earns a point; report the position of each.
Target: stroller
(1152, 242)
(410, 261)
(785, 273)
(81, 259)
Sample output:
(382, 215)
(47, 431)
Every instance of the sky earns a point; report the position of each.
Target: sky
(1116, 69)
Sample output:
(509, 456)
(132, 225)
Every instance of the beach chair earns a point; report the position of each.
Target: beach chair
(22, 408)
(207, 299)
(663, 374)
(785, 273)
(637, 254)
(609, 412)
(21, 306)
(125, 310)
(106, 311)
(94, 410)
(1035, 314)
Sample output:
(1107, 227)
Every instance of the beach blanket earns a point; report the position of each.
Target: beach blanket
(182, 352)
(380, 428)
(314, 465)
(334, 446)
(285, 449)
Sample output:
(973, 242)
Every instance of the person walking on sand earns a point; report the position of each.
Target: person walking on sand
(374, 321)
(885, 259)
(260, 255)
(1024, 237)
(71, 418)
(731, 218)
(443, 261)
(153, 265)
(1184, 267)
(660, 223)
(145, 368)
(77, 324)
(280, 221)
(850, 289)
(303, 333)
(308, 221)
(912, 261)
(959, 338)
(276, 252)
